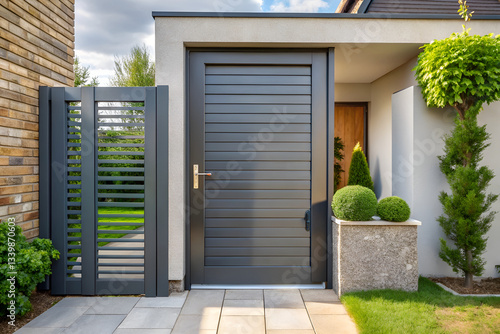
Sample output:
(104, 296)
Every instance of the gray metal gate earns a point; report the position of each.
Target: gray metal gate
(103, 188)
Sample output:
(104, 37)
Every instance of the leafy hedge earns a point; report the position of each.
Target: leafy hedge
(31, 263)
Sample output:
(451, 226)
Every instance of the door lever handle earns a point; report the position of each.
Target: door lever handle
(307, 218)
(196, 183)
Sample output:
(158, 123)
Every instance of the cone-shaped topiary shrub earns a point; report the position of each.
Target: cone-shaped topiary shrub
(393, 209)
(355, 203)
(359, 173)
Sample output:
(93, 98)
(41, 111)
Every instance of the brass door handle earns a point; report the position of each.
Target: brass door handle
(196, 174)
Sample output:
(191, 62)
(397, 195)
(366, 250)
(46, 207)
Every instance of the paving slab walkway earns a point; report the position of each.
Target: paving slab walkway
(290, 311)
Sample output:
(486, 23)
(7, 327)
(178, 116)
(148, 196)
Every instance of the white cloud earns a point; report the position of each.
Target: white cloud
(307, 6)
(105, 28)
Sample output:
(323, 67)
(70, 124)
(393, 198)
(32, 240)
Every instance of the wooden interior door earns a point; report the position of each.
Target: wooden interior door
(350, 127)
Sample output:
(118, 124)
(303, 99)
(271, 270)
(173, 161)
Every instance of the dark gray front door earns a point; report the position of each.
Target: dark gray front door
(257, 123)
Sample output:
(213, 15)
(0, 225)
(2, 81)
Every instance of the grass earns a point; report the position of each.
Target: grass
(110, 210)
(122, 211)
(430, 310)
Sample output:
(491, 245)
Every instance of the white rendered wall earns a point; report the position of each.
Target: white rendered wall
(416, 142)
(174, 34)
(379, 125)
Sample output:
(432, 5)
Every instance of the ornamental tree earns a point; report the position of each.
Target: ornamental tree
(463, 71)
(359, 173)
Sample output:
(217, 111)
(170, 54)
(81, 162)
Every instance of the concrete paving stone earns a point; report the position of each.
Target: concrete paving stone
(151, 317)
(77, 302)
(243, 307)
(142, 331)
(319, 295)
(338, 324)
(287, 319)
(245, 294)
(175, 299)
(27, 330)
(94, 323)
(113, 305)
(57, 317)
(242, 324)
(325, 308)
(283, 299)
(290, 331)
(187, 324)
(203, 302)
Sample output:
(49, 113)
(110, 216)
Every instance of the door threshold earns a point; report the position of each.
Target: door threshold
(257, 286)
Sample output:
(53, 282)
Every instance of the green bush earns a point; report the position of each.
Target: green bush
(393, 209)
(359, 173)
(31, 263)
(463, 71)
(338, 149)
(355, 203)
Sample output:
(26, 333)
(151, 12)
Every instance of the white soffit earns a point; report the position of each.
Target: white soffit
(365, 63)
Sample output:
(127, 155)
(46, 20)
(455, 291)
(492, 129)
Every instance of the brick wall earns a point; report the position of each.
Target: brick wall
(36, 48)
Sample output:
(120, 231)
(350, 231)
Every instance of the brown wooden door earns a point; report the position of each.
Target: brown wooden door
(350, 127)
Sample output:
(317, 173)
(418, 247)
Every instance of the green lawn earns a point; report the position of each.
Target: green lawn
(430, 310)
(122, 211)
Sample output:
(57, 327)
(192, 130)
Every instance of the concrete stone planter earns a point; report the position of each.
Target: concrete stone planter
(376, 254)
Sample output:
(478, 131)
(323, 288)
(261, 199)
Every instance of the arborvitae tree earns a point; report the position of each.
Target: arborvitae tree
(359, 173)
(339, 156)
(463, 71)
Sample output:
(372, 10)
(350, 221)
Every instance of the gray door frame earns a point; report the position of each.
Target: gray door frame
(322, 154)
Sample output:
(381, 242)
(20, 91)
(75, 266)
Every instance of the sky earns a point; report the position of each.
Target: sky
(105, 29)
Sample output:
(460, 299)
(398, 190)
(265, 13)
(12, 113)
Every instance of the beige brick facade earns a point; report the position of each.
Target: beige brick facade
(36, 49)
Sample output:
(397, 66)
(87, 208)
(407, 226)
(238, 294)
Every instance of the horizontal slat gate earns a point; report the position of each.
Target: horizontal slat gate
(104, 217)
(258, 125)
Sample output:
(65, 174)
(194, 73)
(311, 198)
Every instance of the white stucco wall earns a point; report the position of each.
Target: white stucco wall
(345, 92)
(416, 143)
(350, 36)
(379, 125)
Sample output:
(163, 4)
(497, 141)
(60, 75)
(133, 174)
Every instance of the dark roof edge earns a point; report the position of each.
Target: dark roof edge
(364, 6)
(319, 15)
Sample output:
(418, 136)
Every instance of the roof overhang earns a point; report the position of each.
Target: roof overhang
(367, 46)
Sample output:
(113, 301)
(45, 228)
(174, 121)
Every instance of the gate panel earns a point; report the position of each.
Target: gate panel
(103, 191)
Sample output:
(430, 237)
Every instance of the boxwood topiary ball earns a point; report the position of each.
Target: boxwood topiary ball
(355, 203)
(393, 209)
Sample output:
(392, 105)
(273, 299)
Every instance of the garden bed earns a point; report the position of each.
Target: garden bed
(40, 302)
(484, 286)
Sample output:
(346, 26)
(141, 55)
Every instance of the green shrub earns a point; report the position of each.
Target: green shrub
(338, 148)
(31, 263)
(463, 71)
(354, 203)
(359, 173)
(393, 209)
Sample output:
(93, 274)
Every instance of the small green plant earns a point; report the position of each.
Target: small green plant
(359, 173)
(355, 203)
(463, 71)
(31, 263)
(339, 156)
(393, 209)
